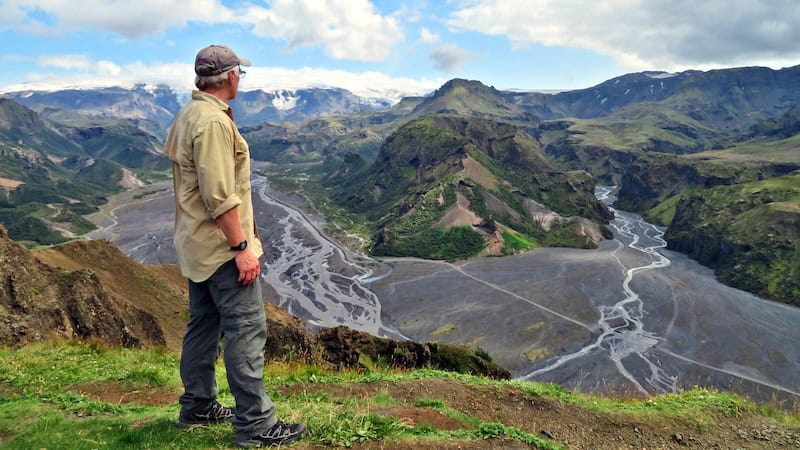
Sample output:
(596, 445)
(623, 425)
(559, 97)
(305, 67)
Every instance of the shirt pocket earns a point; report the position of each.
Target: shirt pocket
(241, 155)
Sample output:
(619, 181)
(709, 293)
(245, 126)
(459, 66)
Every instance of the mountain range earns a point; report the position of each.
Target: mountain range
(493, 169)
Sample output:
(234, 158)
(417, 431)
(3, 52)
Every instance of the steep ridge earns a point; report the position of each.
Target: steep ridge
(749, 232)
(445, 186)
(651, 179)
(475, 99)
(121, 304)
(725, 98)
(120, 141)
(604, 98)
(22, 127)
(158, 103)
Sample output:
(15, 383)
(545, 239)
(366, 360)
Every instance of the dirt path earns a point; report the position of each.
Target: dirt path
(566, 424)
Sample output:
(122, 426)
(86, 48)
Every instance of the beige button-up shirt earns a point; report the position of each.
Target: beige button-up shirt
(211, 170)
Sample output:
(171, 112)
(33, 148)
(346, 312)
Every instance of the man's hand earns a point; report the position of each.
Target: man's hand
(248, 265)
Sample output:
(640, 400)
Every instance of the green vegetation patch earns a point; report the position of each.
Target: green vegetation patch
(514, 243)
(434, 243)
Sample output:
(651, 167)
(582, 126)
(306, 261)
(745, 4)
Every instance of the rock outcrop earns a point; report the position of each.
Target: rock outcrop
(39, 302)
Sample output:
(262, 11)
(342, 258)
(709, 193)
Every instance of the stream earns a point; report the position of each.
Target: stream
(623, 330)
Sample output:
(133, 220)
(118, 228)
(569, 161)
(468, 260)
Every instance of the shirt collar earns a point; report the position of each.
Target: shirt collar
(205, 96)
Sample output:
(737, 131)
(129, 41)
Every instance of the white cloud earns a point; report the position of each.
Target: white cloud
(427, 36)
(648, 34)
(68, 62)
(181, 77)
(130, 19)
(449, 57)
(79, 63)
(347, 29)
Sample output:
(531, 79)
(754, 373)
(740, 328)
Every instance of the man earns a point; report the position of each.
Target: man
(217, 244)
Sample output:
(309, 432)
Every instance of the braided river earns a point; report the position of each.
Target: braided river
(629, 317)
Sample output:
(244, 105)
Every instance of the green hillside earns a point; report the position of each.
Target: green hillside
(22, 127)
(749, 232)
(785, 150)
(645, 127)
(46, 181)
(122, 141)
(440, 186)
(86, 396)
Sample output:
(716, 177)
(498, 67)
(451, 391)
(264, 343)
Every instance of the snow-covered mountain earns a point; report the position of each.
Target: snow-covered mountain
(255, 107)
(158, 104)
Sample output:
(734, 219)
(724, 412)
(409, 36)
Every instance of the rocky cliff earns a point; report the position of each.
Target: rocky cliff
(40, 300)
(749, 233)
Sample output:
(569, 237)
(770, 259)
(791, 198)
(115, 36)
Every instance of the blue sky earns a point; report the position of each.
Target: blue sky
(388, 48)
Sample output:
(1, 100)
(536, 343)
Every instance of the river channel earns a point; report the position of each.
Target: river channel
(629, 317)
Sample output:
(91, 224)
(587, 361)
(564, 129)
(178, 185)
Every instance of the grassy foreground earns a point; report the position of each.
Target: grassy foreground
(83, 395)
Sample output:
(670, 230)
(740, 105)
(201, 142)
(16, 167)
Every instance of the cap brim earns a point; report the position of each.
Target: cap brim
(245, 62)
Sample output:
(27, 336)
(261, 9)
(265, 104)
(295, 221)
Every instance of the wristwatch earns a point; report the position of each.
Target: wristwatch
(239, 247)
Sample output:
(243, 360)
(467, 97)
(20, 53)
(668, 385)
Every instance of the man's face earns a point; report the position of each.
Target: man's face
(233, 82)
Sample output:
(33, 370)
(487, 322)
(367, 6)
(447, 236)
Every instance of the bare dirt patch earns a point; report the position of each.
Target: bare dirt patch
(479, 173)
(7, 183)
(121, 394)
(459, 215)
(421, 444)
(492, 444)
(8, 391)
(130, 180)
(414, 416)
(569, 425)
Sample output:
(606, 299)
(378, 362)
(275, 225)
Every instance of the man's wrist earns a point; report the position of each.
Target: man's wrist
(241, 246)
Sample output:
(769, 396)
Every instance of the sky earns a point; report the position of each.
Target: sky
(388, 48)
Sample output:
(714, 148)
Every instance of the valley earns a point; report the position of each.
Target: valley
(627, 318)
(437, 188)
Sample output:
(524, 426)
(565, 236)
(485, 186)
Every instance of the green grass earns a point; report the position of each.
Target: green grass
(514, 242)
(784, 150)
(37, 409)
(663, 213)
(638, 127)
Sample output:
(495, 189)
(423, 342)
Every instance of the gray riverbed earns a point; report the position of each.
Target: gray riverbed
(629, 317)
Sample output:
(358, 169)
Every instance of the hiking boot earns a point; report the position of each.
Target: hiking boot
(211, 414)
(280, 433)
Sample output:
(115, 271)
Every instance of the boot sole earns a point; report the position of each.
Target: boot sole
(256, 443)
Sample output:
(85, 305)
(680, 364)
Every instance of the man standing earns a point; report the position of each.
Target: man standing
(217, 244)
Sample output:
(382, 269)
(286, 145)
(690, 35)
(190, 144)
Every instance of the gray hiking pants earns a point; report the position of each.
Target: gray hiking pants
(220, 305)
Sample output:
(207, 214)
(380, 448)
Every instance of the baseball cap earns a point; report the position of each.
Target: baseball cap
(215, 59)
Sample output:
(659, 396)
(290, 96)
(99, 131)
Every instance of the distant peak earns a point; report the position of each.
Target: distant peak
(471, 86)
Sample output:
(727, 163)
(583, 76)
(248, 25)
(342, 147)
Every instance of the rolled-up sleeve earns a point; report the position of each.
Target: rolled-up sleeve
(213, 157)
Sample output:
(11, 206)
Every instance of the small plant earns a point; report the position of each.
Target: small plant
(289, 353)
